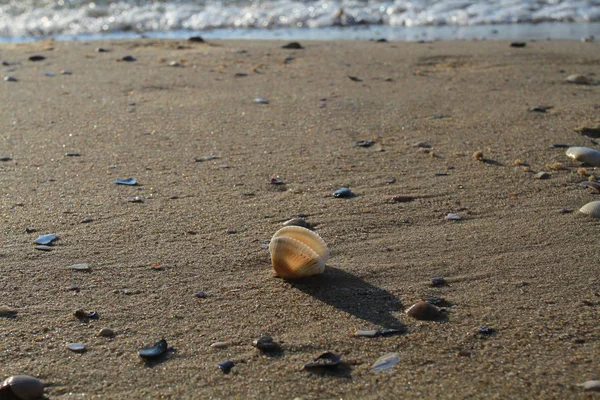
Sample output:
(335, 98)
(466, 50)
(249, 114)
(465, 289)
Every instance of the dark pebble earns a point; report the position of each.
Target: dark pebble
(560, 146)
(438, 282)
(485, 331)
(325, 360)
(128, 58)
(343, 193)
(10, 79)
(101, 50)
(196, 39)
(157, 350)
(354, 78)
(276, 181)
(518, 44)
(226, 366)
(266, 344)
(72, 154)
(365, 143)
(5, 158)
(200, 295)
(293, 46)
(86, 220)
(541, 109)
(37, 58)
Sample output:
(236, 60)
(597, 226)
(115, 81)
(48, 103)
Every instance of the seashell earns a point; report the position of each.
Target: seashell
(156, 351)
(293, 259)
(325, 360)
(296, 222)
(22, 387)
(585, 155)
(306, 236)
(592, 209)
(386, 362)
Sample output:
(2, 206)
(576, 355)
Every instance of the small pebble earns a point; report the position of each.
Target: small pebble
(65, 72)
(7, 312)
(578, 79)
(325, 360)
(518, 44)
(390, 181)
(484, 331)
(106, 332)
(128, 182)
(542, 175)
(157, 350)
(478, 156)
(49, 74)
(363, 333)
(80, 267)
(72, 154)
(219, 345)
(200, 295)
(135, 199)
(424, 310)
(422, 145)
(452, 217)
(292, 45)
(260, 100)
(128, 58)
(86, 220)
(5, 158)
(386, 362)
(44, 248)
(296, 222)
(266, 344)
(196, 39)
(276, 181)
(343, 193)
(591, 386)
(365, 143)
(438, 282)
(10, 79)
(226, 366)
(175, 64)
(101, 50)
(76, 347)
(21, 387)
(540, 109)
(37, 58)
(46, 239)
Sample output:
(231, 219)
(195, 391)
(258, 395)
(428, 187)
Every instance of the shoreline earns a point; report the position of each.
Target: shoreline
(495, 32)
(513, 262)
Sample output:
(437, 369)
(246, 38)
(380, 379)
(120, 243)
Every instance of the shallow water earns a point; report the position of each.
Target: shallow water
(323, 19)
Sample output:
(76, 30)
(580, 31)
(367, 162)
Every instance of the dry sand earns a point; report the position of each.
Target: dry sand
(513, 263)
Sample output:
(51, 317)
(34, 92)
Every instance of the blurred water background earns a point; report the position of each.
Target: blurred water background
(24, 20)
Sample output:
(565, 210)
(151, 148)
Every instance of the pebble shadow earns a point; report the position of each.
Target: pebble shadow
(341, 371)
(353, 295)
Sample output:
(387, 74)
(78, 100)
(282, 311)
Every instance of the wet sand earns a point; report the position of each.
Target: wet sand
(513, 262)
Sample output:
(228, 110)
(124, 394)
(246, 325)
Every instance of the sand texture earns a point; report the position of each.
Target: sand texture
(513, 262)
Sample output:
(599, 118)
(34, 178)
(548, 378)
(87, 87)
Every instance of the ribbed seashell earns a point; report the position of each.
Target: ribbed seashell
(592, 209)
(306, 236)
(584, 154)
(297, 252)
(22, 387)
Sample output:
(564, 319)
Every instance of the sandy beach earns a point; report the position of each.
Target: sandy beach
(521, 260)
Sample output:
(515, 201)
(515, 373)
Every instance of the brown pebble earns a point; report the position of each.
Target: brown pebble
(106, 332)
(424, 310)
(399, 198)
(478, 155)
